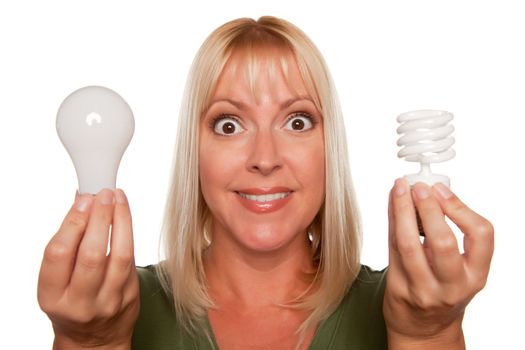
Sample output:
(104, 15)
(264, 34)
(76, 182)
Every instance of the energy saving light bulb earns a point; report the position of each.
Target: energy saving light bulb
(95, 126)
(426, 139)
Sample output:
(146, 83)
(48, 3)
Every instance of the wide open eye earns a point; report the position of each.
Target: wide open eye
(300, 122)
(226, 125)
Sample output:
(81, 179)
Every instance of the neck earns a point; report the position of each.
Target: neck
(255, 279)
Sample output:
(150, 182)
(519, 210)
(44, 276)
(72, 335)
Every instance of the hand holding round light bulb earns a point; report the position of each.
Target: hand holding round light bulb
(92, 296)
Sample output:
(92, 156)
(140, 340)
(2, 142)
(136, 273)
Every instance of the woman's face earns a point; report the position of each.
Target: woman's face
(261, 160)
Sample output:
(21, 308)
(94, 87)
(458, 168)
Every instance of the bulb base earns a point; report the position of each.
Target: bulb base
(429, 179)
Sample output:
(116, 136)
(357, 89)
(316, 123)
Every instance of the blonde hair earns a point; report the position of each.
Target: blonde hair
(335, 230)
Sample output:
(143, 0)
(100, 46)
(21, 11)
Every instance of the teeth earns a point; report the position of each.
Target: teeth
(265, 197)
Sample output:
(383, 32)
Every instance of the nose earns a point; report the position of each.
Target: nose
(264, 155)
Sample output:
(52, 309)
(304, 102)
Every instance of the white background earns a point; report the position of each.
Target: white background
(386, 57)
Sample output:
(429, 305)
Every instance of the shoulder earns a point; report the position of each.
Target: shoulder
(363, 309)
(146, 273)
(358, 321)
(365, 297)
(370, 281)
(157, 326)
(148, 278)
(152, 295)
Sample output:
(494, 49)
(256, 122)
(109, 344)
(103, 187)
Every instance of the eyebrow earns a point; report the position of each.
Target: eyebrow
(242, 106)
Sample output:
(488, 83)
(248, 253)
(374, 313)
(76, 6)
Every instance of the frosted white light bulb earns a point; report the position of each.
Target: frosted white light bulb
(95, 126)
(426, 140)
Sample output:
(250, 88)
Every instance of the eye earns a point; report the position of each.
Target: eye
(300, 122)
(226, 125)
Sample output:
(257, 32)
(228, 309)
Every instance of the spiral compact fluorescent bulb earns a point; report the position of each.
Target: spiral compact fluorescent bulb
(95, 126)
(426, 139)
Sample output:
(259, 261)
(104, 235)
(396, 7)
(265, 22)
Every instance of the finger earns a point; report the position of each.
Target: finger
(393, 253)
(121, 261)
(406, 235)
(130, 294)
(479, 232)
(447, 262)
(59, 255)
(396, 279)
(111, 302)
(90, 266)
(391, 242)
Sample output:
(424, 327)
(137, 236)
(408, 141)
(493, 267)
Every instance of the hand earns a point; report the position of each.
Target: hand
(429, 284)
(91, 298)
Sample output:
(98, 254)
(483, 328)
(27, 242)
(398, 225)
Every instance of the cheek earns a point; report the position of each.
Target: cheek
(217, 167)
(210, 173)
(308, 165)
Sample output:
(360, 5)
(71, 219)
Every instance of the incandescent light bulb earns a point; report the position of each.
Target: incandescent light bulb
(95, 126)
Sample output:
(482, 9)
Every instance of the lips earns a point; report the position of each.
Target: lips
(264, 200)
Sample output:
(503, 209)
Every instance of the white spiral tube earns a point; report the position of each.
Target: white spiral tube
(426, 139)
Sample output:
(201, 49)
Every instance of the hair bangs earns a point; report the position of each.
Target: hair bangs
(261, 51)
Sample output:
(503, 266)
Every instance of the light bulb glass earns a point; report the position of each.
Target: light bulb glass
(95, 125)
(426, 139)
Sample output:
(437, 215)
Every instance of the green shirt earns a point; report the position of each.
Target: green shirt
(357, 323)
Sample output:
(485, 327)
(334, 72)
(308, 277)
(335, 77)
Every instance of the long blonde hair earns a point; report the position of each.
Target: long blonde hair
(335, 230)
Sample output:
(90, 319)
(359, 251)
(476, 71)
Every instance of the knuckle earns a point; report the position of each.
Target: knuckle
(123, 213)
(83, 312)
(407, 248)
(83, 316)
(456, 205)
(76, 220)
(403, 207)
(110, 308)
(453, 298)
(107, 215)
(422, 301)
(479, 283)
(397, 293)
(91, 258)
(485, 229)
(446, 245)
(123, 260)
(45, 304)
(56, 251)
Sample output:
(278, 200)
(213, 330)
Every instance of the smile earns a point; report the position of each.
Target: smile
(262, 201)
(265, 197)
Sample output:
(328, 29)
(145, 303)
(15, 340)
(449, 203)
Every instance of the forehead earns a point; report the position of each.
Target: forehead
(261, 73)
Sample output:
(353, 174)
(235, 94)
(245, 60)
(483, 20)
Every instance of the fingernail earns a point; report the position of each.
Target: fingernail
(443, 190)
(82, 203)
(106, 196)
(399, 187)
(120, 196)
(422, 191)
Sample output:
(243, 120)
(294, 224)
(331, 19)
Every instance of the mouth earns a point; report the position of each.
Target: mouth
(264, 200)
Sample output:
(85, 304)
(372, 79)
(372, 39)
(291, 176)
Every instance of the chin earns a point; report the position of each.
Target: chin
(266, 241)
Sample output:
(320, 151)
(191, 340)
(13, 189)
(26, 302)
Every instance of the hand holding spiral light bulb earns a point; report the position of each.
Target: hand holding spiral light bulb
(430, 281)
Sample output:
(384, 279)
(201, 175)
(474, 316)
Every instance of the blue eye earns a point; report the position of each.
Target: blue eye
(300, 122)
(225, 125)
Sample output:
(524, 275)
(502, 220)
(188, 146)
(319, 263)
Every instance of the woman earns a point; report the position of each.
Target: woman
(261, 232)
